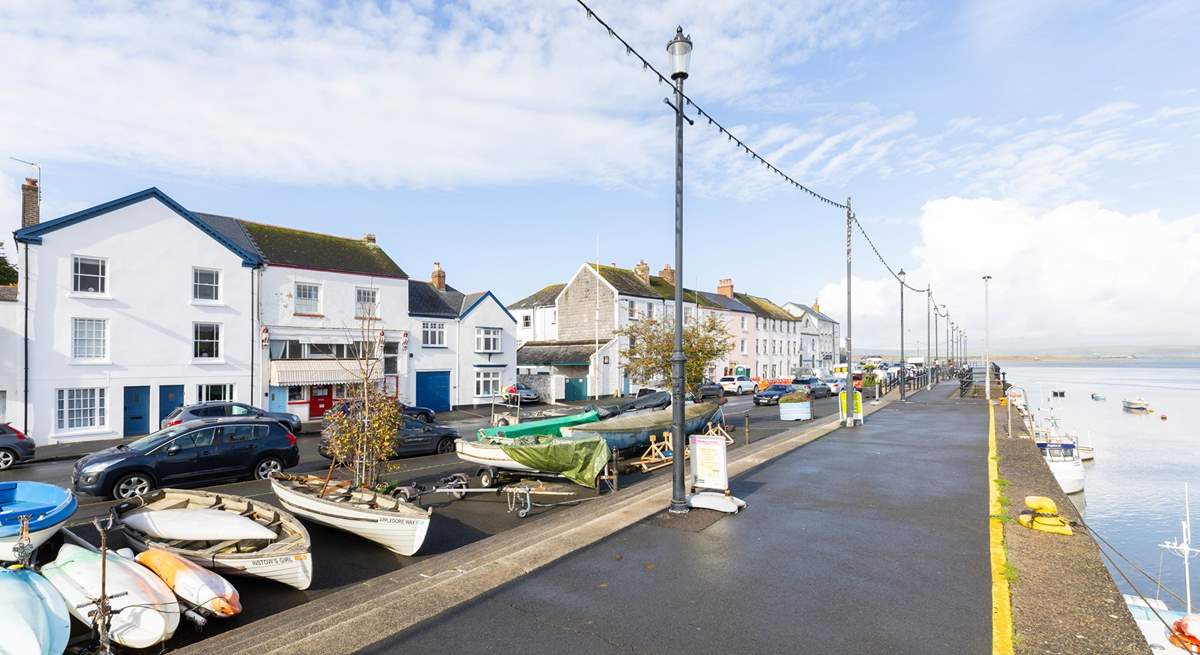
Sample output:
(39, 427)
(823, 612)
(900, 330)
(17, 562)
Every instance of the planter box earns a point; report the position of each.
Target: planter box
(795, 411)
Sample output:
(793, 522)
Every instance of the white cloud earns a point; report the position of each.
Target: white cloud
(1106, 114)
(1071, 276)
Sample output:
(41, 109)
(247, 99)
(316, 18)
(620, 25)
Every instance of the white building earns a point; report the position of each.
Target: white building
(828, 332)
(537, 315)
(778, 336)
(138, 305)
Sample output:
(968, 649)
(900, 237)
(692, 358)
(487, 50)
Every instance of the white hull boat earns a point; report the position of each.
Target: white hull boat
(1063, 459)
(390, 522)
(45, 508)
(487, 454)
(33, 616)
(286, 557)
(1136, 405)
(145, 611)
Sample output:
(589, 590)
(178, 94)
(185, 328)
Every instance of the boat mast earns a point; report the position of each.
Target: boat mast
(1184, 548)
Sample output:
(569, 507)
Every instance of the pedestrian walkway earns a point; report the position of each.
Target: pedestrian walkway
(871, 540)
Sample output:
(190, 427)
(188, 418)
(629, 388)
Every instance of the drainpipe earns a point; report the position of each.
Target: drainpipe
(254, 394)
(25, 427)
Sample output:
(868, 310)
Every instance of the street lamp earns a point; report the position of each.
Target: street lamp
(987, 344)
(679, 50)
(928, 323)
(903, 367)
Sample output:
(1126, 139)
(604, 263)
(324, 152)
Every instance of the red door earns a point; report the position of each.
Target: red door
(320, 399)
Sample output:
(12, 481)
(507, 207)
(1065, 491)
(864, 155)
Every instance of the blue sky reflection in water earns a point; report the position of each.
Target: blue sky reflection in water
(1133, 494)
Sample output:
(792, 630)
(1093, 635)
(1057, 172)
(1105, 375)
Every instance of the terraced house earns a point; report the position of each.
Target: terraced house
(139, 305)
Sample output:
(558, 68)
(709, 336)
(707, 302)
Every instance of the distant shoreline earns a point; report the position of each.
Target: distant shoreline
(1072, 358)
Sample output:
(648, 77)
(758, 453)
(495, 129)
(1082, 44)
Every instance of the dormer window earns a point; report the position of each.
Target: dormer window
(90, 275)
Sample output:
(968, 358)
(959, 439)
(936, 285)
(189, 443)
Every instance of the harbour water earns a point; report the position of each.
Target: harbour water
(1133, 494)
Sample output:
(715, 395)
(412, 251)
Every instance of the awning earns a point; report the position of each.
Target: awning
(303, 372)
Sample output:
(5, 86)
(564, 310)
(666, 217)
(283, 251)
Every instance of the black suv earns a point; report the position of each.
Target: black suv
(189, 454)
(219, 408)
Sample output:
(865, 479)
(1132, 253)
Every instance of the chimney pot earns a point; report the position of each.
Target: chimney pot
(439, 277)
(668, 274)
(642, 271)
(725, 287)
(30, 202)
(369, 238)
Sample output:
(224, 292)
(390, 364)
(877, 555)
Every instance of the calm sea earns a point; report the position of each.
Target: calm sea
(1133, 495)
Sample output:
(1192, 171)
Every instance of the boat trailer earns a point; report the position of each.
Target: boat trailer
(518, 494)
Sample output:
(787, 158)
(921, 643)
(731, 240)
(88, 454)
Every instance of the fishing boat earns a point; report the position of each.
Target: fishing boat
(1138, 404)
(579, 459)
(393, 523)
(284, 557)
(1063, 459)
(1150, 614)
(144, 610)
(196, 587)
(1098, 396)
(548, 426)
(633, 430)
(47, 507)
(33, 615)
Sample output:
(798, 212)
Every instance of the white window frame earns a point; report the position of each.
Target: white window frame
(90, 356)
(216, 286)
(433, 334)
(296, 300)
(489, 340)
(106, 287)
(554, 316)
(204, 392)
(218, 356)
(92, 400)
(359, 304)
(487, 380)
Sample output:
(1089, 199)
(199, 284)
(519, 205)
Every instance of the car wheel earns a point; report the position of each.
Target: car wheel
(266, 466)
(446, 445)
(132, 486)
(7, 459)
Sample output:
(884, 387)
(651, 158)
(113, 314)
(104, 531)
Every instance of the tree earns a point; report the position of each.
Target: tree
(651, 342)
(8, 274)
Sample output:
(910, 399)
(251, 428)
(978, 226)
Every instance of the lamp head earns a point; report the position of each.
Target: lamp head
(679, 51)
(901, 275)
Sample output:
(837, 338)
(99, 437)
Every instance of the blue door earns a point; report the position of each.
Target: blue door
(137, 411)
(170, 396)
(278, 400)
(433, 390)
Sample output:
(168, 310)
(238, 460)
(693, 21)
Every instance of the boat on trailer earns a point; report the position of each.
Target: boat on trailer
(633, 429)
(286, 558)
(394, 523)
(579, 459)
(45, 508)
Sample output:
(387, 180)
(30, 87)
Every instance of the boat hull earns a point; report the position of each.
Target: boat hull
(489, 455)
(33, 616)
(402, 532)
(624, 434)
(1069, 476)
(36, 538)
(193, 584)
(47, 507)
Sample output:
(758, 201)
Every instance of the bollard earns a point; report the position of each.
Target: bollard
(746, 429)
(616, 478)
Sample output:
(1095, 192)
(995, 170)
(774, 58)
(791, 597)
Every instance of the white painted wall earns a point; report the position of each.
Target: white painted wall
(11, 370)
(459, 356)
(543, 324)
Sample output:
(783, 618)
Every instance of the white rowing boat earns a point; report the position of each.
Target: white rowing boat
(393, 523)
(285, 557)
(33, 616)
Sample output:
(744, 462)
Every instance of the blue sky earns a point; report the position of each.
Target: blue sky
(502, 138)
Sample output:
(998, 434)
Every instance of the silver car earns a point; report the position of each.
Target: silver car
(520, 391)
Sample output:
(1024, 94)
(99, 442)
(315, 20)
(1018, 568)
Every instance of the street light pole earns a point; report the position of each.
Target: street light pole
(903, 366)
(680, 52)
(928, 323)
(849, 350)
(987, 343)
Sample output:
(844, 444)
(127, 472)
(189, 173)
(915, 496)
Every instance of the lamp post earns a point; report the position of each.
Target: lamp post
(849, 347)
(679, 50)
(937, 310)
(928, 323)
(987, 343)
(903, 367)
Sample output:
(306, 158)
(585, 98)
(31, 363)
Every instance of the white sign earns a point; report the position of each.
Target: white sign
(709, 470)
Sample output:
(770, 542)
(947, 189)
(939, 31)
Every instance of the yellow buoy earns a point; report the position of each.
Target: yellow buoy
(1043, 515)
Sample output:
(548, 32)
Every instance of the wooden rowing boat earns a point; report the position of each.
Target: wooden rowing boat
(390, 522)
(286, 558)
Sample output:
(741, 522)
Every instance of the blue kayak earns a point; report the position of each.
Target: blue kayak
(47, 506)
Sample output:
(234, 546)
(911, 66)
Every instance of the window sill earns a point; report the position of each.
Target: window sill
(89, 296)
(207, 303)
(207, 360)
(90, 362)
(367, 318)
(436, 347)
(489, 352)
(303, 315)
(82, 432)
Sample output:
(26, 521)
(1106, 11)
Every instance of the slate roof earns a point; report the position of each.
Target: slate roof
(809, 310)
(543, 297)
(425, 300)
(8, 294)
(731, 304)
(627, 283)
(556, 353)
(764, 308)
(284, 246)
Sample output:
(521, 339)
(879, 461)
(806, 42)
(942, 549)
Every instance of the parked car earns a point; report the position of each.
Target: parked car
(415, 437)
(815, 387)
(411, 411)
(219, 408)
(737, 384)
(519, 391)
(15, 447)
(708, 389)
(772, 394)
(835, 384)
(191, 453)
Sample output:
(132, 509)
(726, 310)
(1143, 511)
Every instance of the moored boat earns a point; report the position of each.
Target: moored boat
(1098, 396)
(391, 522)
(633, 430)
(33, 616)
(47, 507)
(285, 558)
(1138, 404)
(144, 610)
(1063, 459)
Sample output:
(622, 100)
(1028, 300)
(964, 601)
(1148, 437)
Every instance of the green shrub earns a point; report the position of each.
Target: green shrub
(797, 396)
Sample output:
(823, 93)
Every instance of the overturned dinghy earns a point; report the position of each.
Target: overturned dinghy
(33, 616)
(390, 522)
(281, 551)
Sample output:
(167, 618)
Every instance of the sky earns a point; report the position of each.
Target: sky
(1050, 144)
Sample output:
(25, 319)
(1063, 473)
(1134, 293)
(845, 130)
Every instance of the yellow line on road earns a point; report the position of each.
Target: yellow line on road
(1002, 628)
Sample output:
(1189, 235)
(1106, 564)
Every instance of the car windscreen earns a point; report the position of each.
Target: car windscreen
(150, 441)
(777, 387)
(727, 379)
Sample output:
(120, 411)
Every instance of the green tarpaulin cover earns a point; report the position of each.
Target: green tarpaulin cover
(579, 460)
(549, 426)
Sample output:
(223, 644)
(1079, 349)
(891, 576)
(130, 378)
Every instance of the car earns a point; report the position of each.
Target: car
(737, 384)
(219, 408)
(708, 389)
(414, 437)
(419, 413)
(835, 384)
(772, 394)
(15, 447)
(519, 392)
(187, 454)
(815, 387)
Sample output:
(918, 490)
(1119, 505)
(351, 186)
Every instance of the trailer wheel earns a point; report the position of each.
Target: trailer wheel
(487, 478)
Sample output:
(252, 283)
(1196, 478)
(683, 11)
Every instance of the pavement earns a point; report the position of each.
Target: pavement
(872, 540)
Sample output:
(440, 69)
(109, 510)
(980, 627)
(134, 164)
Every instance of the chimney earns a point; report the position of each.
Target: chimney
(439, 277)
(817, 305)
(29, 202)
(369, 238)
(725, 287)
(642, 271)
(668, 274)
